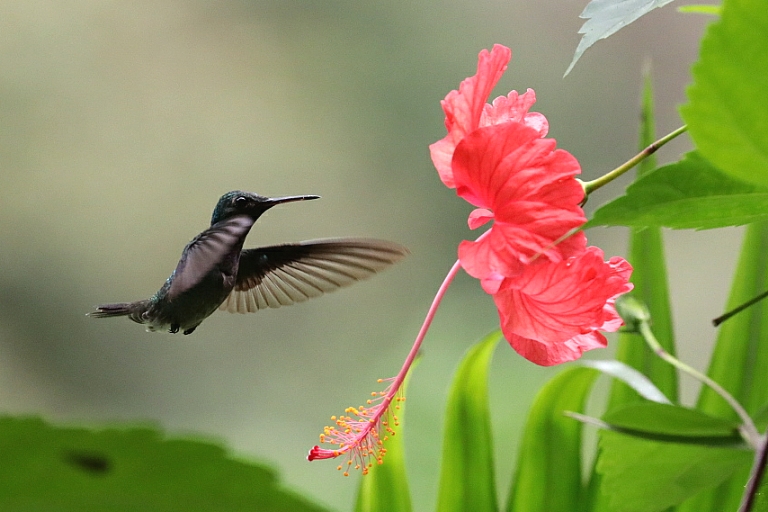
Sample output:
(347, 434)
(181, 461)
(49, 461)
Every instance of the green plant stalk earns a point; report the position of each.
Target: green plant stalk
(591, 186)
(748, 428)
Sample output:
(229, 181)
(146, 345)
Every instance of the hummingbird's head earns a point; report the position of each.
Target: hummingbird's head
(238, 202)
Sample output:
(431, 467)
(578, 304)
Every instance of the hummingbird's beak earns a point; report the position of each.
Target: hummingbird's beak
(272, 201)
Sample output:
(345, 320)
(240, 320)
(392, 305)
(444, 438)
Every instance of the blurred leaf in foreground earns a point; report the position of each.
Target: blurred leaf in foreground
(47, 467)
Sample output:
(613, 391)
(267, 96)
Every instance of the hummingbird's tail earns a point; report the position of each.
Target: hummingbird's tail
(108, 310)
(132, 309)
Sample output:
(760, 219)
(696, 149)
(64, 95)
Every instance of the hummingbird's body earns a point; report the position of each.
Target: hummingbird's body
(214, 271)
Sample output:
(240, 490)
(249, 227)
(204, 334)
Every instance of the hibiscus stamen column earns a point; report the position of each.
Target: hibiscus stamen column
(361, 438)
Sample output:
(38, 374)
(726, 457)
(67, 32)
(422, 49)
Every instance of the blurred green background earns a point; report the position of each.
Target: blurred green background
(121, 123)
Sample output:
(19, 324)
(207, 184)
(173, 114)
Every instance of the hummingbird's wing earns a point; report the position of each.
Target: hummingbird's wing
(206, 251)
(280, 275)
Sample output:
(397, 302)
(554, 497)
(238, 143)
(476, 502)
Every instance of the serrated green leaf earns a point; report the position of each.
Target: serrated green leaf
(606, 17)
(48, 467)
(726, 117)
(467, 479)
(548, 473)
(385, 488)
(667, 419)
(728, 125)
(648, 476)
(689, 194)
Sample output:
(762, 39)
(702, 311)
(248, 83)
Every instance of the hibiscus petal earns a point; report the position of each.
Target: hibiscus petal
(561, 306)
(546, 354)
(463, 108)
(479, 217)
(442, 153)
(484, 163)
(514, 107)
(530, 187)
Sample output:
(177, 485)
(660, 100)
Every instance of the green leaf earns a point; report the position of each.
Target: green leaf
(548, 475)
(646, 254)
(714, 10)
(740, 349)
(648, 476)
(733, 440)
(635, 380)
(726, 116)
(606, 17)
(385, 487)
(761, 417)
(728, 124)
(689, 194)
(466, 476)
(742, 342)
(761, 499)
(667, 419)
(48, 467)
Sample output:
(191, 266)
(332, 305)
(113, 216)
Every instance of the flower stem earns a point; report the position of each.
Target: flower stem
(748, 429)
(425, 326)
(591, 186)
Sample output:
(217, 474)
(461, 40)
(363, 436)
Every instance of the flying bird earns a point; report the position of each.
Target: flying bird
(215, 272)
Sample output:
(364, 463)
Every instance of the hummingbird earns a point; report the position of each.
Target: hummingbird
(215, 272)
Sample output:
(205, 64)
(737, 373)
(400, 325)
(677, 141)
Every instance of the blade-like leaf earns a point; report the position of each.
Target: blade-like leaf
(641, 384)
(726, 119)
(742, 341)
(606, 17)
(648, 476)
(46, 467)
(548, 474)
(741, 349)
(466, 475)
(689, 194)
(761, 417)
(761, 499)
(732, 440)
(385, 487)
(646, 254)
(667, 419)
